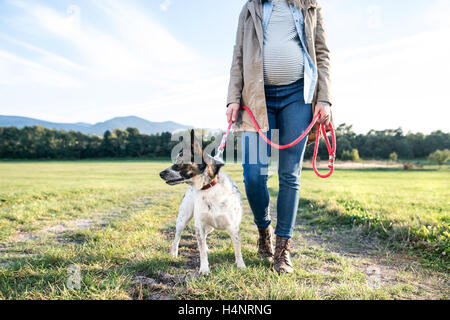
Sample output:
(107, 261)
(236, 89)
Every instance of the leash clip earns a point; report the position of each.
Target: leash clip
(218, 157)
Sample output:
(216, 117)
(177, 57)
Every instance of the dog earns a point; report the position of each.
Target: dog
(212, 199)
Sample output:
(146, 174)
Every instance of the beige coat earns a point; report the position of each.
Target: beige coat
(247, 76)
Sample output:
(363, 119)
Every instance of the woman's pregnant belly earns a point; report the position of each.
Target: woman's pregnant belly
(283, 63)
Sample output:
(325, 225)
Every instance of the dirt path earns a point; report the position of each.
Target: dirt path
(369, 255)
(372, 256)
(59, 234)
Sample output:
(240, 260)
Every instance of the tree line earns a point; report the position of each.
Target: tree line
(41, 143)
(381, 144)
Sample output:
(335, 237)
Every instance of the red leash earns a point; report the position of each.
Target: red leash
(320, 130)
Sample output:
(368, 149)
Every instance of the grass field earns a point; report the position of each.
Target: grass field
(363, 234)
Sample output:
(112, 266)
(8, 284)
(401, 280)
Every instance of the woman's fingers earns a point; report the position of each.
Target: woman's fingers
(235, 114)
(228, 114)
(324, 111)
(232, 112)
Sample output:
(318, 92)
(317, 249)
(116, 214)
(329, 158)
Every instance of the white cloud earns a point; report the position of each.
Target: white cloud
(165, 5)
(399, 83)
(438, 15)
(134, 46)
(131, 65)
(18, 71)
(47, 56)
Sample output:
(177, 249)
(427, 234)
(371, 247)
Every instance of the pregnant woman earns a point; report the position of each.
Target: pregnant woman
(280, 70)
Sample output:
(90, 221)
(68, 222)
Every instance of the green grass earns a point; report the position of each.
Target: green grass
(408, 208)
(115, 220)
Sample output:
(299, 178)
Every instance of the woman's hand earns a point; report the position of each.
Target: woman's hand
(232, 111)
(325, 113)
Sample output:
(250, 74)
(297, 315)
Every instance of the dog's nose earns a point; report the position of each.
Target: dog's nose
(161, 174)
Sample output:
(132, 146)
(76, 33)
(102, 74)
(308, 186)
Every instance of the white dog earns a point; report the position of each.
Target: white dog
(212, 198)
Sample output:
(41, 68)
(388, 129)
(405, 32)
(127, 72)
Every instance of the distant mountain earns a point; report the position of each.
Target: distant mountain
(144, 126)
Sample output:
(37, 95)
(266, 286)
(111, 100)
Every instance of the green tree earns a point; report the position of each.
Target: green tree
(441, 157)
(41, 143)
(121, 142)
(355, 155)
(352, 155)
(134, 146)
(393, 156)
(107, 146)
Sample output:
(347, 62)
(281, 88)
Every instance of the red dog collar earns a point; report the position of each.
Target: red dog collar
(212, 184)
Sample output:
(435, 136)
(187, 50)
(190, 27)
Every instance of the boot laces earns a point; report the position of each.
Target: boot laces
(284, 250)
(264, 241)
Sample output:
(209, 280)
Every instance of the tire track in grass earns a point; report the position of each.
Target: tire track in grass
(372, 257)
(141, 287)
(60, 233)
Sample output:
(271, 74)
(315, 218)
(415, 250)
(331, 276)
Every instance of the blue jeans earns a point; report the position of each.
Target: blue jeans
(287, 112)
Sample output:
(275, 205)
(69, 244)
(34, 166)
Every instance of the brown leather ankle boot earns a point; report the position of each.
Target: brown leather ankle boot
(282, 259)
(265, 244)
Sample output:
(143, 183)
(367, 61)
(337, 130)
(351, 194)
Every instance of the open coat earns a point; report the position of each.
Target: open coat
(247, 75)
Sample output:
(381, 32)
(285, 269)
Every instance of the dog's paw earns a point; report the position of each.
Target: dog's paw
(204, 271)
(241, 265)
(174, 252)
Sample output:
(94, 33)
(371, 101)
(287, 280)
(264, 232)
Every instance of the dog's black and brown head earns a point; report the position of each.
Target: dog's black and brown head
(192, 166)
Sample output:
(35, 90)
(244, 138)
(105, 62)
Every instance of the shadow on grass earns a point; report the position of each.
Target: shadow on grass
(432, 249)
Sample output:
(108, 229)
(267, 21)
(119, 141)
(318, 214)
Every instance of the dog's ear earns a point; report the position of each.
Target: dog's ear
(196, 147)
(216, 167)
(212, 164)
(192, 133)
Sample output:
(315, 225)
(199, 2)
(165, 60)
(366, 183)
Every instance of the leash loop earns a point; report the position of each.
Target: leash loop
(331, 150)
(321, 130)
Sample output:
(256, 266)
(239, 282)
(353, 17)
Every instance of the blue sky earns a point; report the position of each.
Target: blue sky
(91, 60)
